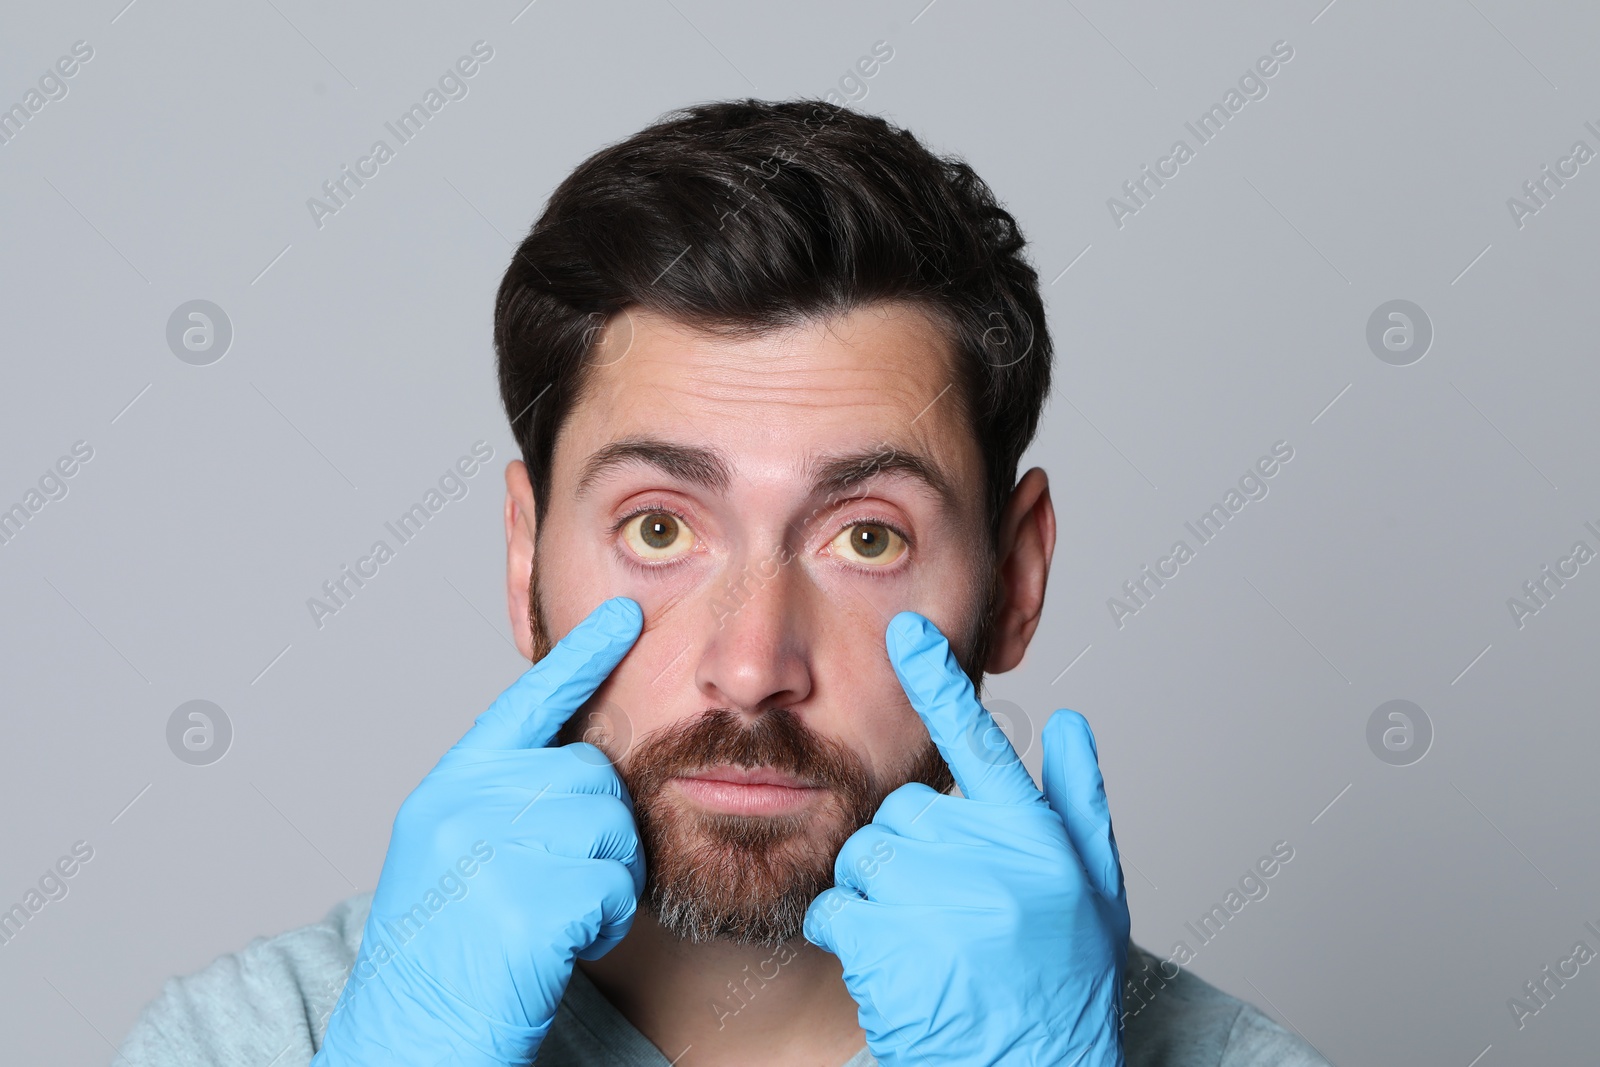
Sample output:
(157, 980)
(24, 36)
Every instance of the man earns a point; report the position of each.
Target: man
(771, 369)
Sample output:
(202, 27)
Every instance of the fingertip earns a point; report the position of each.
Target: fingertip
(639, 876)
(815, 926)
(921, 656)
(907, 619)
(604, 943)
(807, 929)
(624, 610)
(1067, 720)
(909, 631)
(905, 805)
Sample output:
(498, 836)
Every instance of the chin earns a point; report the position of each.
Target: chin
(745, 879)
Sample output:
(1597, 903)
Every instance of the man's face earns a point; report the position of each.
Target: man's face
(770, 502)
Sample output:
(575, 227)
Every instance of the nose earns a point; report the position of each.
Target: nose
(758, 655)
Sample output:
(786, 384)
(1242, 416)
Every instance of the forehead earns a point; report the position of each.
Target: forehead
(883, 373)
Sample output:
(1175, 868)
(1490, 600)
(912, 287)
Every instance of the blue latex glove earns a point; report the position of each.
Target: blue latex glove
(990, 928)
(508, 861)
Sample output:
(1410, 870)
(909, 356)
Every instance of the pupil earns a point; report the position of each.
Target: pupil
(659, 531)
(870, 540)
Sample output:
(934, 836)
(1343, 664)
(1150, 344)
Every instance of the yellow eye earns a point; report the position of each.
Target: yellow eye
(658, 535)
(871, 543)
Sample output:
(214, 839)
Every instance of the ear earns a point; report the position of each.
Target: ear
(1026, 542)
(520, 540)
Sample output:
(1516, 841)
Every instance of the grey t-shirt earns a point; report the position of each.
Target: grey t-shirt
(268, 1006)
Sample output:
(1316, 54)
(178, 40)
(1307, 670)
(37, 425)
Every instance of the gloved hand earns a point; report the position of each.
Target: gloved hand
(509, 860)
(990, 928)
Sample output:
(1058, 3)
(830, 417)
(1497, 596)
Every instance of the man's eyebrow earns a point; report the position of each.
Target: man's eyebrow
(705, 467)
(832, 475)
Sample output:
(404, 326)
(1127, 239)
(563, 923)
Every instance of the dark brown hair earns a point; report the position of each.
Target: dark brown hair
(747, 216)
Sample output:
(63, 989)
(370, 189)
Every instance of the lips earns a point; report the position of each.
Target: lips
(747, 790)
(749, 776)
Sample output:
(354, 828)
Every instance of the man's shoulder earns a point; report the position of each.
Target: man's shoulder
(274, 994)
(1184, 1021)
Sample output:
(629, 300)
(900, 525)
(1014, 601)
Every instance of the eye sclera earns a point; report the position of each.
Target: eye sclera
(633, 558)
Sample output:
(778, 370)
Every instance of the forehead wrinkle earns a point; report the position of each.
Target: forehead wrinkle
(744, 389)
(764, 371)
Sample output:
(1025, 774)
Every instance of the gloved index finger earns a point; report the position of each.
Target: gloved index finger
(1075, 790)
(984, 763)
(534, 707)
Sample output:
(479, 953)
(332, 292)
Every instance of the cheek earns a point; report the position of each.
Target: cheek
(896, 735)
(586, 571)
(868, 709)
(941, 584)
(660, 667)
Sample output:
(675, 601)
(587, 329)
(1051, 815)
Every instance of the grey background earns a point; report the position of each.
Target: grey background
(1228, 314)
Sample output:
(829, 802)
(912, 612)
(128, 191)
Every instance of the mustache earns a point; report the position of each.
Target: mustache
(777, 738)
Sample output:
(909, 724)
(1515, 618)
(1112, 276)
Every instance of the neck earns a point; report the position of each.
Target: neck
(714, 1003)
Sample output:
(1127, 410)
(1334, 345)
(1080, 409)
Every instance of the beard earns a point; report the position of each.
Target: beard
(748, 879)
